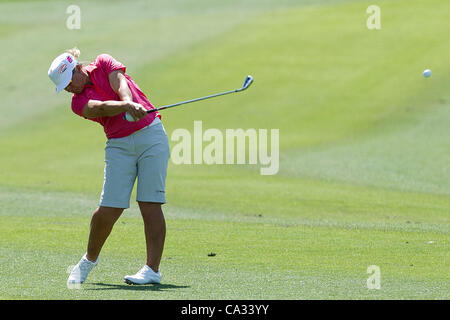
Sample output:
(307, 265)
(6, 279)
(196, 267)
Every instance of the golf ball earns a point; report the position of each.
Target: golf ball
(427, 73)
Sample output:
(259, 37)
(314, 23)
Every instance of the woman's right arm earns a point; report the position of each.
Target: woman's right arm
(110, 108)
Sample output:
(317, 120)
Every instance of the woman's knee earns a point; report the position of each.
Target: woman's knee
(108, 213)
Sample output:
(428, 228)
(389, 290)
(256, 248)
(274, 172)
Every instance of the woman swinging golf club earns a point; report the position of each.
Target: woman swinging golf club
(103, 92)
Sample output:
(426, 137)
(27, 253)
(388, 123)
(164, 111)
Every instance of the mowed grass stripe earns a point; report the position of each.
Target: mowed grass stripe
(161, 29)
(363, 88)
(281, 201)
(222, 283)
(257, 251)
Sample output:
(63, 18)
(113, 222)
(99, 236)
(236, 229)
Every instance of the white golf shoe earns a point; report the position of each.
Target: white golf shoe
(81, 270)
(144, 276)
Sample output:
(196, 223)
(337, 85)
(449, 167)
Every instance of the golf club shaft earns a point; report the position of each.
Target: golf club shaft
(192, 100)
(248, 81)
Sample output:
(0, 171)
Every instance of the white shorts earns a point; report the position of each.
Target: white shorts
(143, 154)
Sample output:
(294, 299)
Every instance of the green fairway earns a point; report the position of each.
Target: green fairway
(364, 173)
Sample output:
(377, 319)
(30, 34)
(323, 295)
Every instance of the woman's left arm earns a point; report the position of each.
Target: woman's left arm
(119, 84)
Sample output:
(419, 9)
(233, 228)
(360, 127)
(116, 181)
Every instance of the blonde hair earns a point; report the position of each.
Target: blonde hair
(75, 52)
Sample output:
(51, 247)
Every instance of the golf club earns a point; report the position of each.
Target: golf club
(247, 82)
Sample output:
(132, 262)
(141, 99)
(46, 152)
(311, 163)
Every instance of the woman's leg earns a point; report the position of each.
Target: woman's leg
(119, 177)
(102, 223)
(155, 232)
(152, 168)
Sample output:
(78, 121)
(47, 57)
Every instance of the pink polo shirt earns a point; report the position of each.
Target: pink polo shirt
(116, 126)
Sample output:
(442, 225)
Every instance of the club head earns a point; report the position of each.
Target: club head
(247, 82)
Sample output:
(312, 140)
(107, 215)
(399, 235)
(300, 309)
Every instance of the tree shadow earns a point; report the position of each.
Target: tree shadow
(146, 287)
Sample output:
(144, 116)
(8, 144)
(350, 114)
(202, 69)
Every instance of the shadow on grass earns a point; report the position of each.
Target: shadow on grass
(147, 287)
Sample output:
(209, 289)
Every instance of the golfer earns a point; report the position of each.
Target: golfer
(103, 92)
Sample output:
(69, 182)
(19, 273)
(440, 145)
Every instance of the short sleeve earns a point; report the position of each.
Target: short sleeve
(108, 64)
(78, 103)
